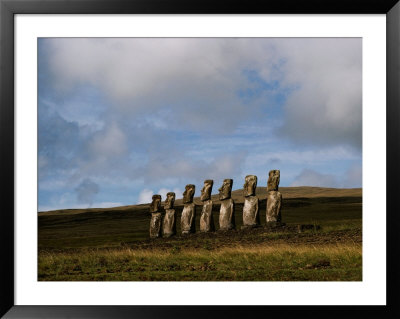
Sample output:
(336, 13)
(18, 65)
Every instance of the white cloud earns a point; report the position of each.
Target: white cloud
(154, 114)
(128, 68)
(303, 157)
(163, 192)
(178, 193)
(198, 79)
(351, 178)
(326, 107)
(187, 170)
(109, 142)
(145, 196)
(309, 177)
(194, 77)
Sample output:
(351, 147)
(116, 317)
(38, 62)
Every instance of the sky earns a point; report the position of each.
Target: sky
(121, 119)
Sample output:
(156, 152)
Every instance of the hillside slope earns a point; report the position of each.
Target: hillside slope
(237, 195)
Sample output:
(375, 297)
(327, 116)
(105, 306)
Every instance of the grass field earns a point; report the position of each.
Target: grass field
(114, 244)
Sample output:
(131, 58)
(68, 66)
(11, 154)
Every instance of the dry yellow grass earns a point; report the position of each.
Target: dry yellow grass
(261, 249)
(244, 262)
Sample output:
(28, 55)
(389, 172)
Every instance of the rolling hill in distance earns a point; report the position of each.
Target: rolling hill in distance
(237, 195)
(114, 244)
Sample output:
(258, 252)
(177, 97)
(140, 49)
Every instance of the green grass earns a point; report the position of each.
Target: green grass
(114, 228)
(114, 244)
(277, 262)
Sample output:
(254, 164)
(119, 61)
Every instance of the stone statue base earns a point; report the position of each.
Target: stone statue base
(274, 203)
(251, 217)
(227, 214)
(274, 224)
(155, 225)
(188, 218)
(169, 223)
(206, 218)
(244, 227)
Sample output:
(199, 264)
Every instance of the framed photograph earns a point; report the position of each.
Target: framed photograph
(176, 159)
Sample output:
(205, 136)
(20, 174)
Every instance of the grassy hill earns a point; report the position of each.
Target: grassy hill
(110, 227)
(237, 195)
(114, 243)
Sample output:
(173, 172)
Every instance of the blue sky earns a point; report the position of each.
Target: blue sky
(120, 119)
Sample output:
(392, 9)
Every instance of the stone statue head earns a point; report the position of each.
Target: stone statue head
(206, 190)
(155, 205)
(188, 193)
(226, 189)
(273, 180)
(250, 185)
(169, 201)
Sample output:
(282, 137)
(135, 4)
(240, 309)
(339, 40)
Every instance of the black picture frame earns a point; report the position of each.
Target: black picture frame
(8, 8)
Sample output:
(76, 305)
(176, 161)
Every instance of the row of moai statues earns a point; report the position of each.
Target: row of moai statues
(166, 226)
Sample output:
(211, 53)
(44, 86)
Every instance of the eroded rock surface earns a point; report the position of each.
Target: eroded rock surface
(156, 217)
(251, 202)
(206, 218)
(226, 189)
(155, 205)
(227, 214)
(169, 201)
(155, 225)
(169, 223)
(250, 185)
(274, 204)
(188, 218)
(188, 193)
(273, 180)
(206, 190)
(250, 211)
(169, 220)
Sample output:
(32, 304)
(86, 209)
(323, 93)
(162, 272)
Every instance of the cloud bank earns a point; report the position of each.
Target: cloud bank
(141, 115)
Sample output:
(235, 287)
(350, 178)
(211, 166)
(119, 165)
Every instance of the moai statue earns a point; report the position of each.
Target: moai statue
(227, 210)
(169, 221)
(206, 218)
(274, 197)
(274, 177)
(155, 222)
(189, 210)
(251, 217)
